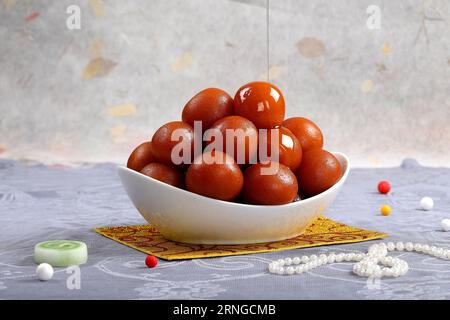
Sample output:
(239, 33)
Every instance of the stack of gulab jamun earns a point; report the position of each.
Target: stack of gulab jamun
(241, 150)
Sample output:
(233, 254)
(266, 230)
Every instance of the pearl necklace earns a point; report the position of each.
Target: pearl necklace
(367, 265)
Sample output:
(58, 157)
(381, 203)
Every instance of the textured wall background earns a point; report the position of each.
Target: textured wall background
(93, 94)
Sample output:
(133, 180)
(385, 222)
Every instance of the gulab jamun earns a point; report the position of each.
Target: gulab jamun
(269, 188)
(163, 143)
(216, 175)
(319, 171)
(208, 106)
(289, 148)
(164, 174)
(239, 138)
(260, 102)
(141, 156)
(306, 131)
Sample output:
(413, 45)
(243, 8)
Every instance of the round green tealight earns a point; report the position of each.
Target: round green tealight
(61, 253)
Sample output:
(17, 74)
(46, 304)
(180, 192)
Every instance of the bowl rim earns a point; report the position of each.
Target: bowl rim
(246, 205)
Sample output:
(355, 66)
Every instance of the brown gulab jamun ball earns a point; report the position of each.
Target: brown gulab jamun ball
(141, 156)
(164, 174)
(306, 131)
(162, 143)
(260, 102)
(208, 106)
(289, 148)
(319, 171)
(277, 188)
(244, 135)
(216, 175)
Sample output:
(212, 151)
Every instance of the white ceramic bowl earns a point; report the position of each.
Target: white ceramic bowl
(188, 217)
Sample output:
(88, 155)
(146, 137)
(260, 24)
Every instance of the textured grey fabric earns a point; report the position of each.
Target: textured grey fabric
(40, 203)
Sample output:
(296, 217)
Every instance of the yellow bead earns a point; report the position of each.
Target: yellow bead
(385, 210)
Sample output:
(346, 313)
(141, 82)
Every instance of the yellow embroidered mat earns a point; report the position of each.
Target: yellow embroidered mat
(147, 239)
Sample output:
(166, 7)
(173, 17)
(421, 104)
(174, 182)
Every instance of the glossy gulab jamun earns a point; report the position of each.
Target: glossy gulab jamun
(239, 138)
(260, 102)
(141, 156)
(216, 175)
(318, 171)
(306, 131)
(287, 145)
(274, 187)
(208, 106)
(165, 174)
(174, 134)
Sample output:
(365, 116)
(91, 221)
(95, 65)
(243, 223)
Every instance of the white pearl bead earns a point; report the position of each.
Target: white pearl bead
(290, 270)
(296, 260)
(313, 257)
(390, 246)
(445, 224)
(409, 246)
(359, 256)
(382, 246)
(399, 246)
(299, 269)
(387, 272)
(418, 247)
(288, 261)
(426, 203)
(331, 258)
(373, 250)
(304, 259)
(44, 272)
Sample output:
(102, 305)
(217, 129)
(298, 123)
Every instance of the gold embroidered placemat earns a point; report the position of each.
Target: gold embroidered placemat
(147, 239)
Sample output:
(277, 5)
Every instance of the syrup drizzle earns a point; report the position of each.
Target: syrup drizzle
(268, 38)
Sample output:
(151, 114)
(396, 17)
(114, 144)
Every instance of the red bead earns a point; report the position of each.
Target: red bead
(384, 187)
(151, 261)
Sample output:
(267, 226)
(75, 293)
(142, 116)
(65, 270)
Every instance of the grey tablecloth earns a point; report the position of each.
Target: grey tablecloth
(39, 203)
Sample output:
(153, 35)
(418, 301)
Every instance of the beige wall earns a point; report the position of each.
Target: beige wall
(92, 94)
